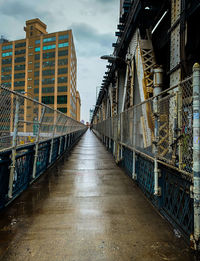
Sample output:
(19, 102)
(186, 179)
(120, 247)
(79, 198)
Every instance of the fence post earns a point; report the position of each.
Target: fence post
(196, 153)
(156, 134)
(14, 147)
(52, 140)
(134, 174)
(180, 146)
(118, 139)
(158, 81)
(37, 144)
(61, 137)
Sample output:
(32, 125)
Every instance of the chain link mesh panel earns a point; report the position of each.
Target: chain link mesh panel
(34, 120)
(186, 128)
(136, 127)
(7, 101)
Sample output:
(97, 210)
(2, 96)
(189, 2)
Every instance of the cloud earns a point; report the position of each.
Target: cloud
(22, 9)
(90, 41)
(93, 23)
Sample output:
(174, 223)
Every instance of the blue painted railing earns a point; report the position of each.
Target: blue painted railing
(25, 160)
(175, 202)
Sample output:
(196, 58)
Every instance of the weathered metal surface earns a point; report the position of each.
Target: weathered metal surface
(86, 209)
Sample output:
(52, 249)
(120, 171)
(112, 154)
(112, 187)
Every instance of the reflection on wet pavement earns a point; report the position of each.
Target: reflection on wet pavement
(86, 209)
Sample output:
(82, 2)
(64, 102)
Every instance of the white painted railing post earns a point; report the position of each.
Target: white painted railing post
(52, 140)
(134, 173)
(14, 147)
(157, 81)
(37, 144)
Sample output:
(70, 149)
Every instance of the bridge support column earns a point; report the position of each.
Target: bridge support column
(14, 147)
(196, 153)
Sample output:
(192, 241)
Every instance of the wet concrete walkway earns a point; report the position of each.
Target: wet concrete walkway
(86, 209)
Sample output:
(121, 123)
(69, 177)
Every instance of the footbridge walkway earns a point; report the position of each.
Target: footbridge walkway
(87, 208)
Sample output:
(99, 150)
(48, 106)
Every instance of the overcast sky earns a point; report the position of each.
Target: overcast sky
(93, 23)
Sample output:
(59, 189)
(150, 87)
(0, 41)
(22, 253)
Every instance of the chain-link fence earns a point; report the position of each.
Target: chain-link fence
(30, 121)
(170, 113)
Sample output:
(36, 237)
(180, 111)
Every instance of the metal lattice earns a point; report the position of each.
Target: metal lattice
(135, 127)
(35, 121)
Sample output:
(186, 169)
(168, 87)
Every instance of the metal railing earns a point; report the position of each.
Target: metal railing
(32, 137)
(158, 127)
(154, 142)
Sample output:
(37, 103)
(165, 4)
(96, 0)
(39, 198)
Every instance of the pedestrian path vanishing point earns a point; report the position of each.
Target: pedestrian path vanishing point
(86, 209)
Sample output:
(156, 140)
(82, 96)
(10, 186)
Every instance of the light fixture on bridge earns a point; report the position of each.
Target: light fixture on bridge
(110, 58)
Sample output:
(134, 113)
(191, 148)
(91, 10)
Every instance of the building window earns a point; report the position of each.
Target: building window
(48, 99)
(50, 39)
(48, 81)
(6, 47)
(63, 45)
(62, 99)
(62, 61)
(36, 90)
(65, 36)
(6, 54)
(37, 56)
(19, 67)
(19, 75)
(20, 59)
(48, 63)
(36, 73)
(48, 55)
(19, 83)
(37, 41)
(62, 70)
(18, 45)
(63, 53)
(7, 84)
(48, 90)
(49, 47)
(6, 69)
(63, 110)
(20, 90)
(37, 65)
(29, 79)
(36, 82)
(37, 49)
(20, 51)
(62, 88)
(62, 79)
(48, 72)
(6, 61)
(6, 77)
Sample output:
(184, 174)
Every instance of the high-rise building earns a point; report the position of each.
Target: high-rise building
(43, 66)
